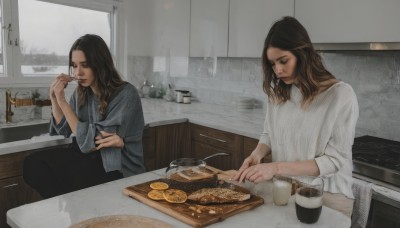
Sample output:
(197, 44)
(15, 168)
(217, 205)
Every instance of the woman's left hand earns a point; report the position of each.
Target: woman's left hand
(258, 173)
(106, 139)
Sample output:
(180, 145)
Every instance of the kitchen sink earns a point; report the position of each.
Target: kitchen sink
(23, 132)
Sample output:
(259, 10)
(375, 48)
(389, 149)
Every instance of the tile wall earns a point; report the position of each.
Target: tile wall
(375, 77)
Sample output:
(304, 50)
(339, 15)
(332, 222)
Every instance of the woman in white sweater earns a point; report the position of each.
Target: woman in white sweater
(310, 121)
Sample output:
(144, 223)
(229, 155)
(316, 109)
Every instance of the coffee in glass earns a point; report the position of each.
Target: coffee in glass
(309, 199)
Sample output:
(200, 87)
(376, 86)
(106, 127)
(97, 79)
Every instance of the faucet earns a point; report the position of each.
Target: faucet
(9, 101)
(17, 103)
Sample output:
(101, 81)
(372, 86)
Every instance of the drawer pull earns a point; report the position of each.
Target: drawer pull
(10, 185)
(206, 136)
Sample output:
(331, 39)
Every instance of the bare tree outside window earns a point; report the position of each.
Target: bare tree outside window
(47, 31)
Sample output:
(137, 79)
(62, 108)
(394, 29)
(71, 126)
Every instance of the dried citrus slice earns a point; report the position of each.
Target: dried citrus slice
(158, 185)
(175, 196)
(156, 194)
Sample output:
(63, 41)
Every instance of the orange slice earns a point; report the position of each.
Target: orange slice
(156, 194)
(175, 196)
(158, 185)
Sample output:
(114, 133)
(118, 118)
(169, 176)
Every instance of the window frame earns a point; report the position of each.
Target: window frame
(13, 78)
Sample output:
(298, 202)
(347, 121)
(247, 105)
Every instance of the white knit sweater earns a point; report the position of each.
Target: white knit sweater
(324, 132)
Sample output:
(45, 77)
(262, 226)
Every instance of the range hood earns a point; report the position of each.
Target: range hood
(373, 46)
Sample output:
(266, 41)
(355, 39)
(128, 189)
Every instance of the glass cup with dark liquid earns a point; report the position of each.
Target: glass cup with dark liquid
(309, 199)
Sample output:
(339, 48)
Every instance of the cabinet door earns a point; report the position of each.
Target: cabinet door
(249, 144)
(250, 21)
(157, 27)
(14, 192)
(209, 28)
(344, 21)
(149, 148)
(207, 141)
(202, 150)
(172, 142)
(11, 164)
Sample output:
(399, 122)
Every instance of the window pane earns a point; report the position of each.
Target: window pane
(48, 30)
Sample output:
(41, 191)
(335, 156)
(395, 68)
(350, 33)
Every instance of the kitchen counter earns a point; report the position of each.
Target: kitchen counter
(159, 112)
(248, 123)
(107, 199)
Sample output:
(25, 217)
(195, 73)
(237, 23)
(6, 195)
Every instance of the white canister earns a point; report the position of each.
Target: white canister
(187, 99)
(179, 96)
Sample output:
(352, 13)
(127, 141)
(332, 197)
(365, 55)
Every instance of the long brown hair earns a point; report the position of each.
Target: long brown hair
(288, 34)
(99, 59)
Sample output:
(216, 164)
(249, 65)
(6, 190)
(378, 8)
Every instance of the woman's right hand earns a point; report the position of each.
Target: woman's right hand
(58, 85)
(57, 94)
(254, 159)
(249, 161)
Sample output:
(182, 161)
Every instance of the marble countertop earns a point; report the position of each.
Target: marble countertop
(248, 123)
(159, 112)
(107, 199)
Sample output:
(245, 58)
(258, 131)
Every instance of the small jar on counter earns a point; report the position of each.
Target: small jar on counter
(180, 94)
(187, 99)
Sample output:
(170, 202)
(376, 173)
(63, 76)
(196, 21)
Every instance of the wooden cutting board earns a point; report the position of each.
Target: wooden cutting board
(184, 212)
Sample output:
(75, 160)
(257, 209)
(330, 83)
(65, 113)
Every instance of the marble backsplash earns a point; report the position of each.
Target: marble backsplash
(374, 75)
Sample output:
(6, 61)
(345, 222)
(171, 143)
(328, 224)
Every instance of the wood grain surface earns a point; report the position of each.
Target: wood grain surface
(184, 211)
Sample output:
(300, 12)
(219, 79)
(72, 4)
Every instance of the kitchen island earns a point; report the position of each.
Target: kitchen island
(108, 199)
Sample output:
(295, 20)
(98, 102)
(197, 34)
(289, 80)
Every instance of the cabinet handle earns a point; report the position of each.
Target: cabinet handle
(10, 185)
(206, 136)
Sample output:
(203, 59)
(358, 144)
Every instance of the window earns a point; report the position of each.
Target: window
(37, 35)
(1, 42)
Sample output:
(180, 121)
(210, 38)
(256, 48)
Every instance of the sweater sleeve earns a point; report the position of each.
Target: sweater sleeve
(339, 147)
(62, 128)
(265, 135)
(264, 138)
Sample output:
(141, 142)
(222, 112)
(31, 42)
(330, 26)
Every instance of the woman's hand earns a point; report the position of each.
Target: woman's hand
(57, 96)
(258, 173)
(58, 85)
(254, 159)
(106, 139)
(248, 162)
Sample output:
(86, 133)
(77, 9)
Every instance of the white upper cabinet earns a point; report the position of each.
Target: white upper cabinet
(346, 21)
(158, 27)
(250, 21)
(209, 28)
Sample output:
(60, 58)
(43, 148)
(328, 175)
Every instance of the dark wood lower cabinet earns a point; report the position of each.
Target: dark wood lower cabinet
(207, 141)
(202, 150)
(149, 148)
(249, 144)
(14, 191)
(172, 142)
(163, 144)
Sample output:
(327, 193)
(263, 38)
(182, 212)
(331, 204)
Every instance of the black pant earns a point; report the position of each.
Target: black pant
(58, 171)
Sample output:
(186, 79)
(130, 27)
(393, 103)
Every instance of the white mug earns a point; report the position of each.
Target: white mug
(186, 99)
(179, 96)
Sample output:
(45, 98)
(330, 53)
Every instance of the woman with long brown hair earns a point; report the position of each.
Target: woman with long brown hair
(310, 121)
(104, 117)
